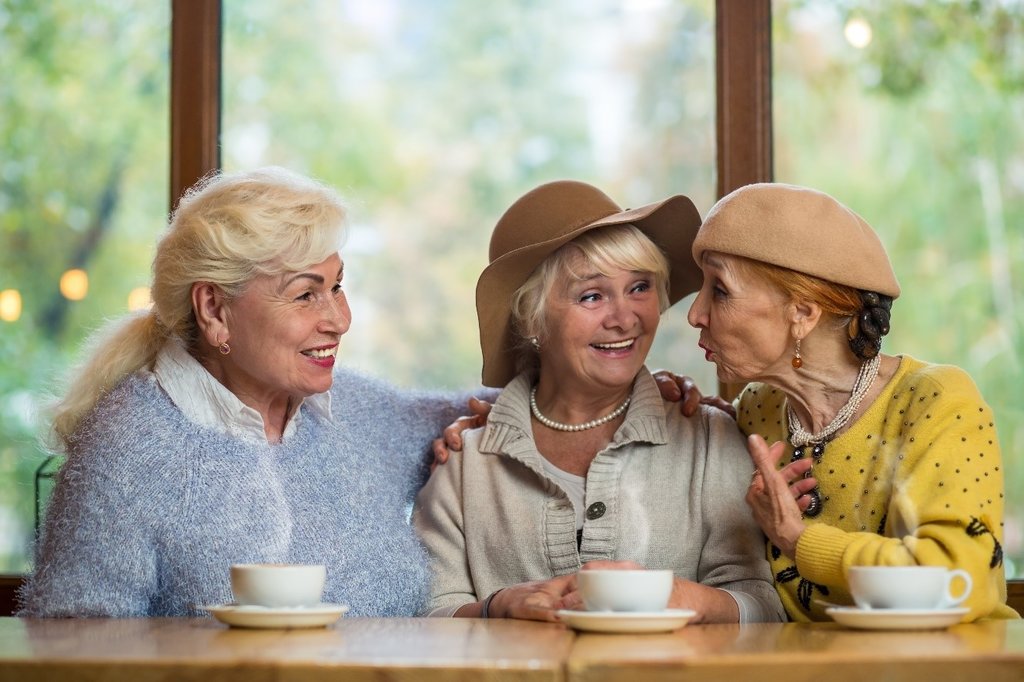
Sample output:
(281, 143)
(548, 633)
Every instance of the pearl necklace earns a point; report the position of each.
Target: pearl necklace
(799, 437)
(559, 426)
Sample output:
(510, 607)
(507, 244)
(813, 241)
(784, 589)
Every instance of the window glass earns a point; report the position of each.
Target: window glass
(910, 112)
(433, 117)
(83, 194)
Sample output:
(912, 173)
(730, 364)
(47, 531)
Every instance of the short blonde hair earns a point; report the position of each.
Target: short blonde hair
(616, 247)
(228, 229)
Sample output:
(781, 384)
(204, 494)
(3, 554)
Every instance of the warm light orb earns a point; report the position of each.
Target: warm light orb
(858, 33)
(10, 305)
(139, 299)
(74, 284)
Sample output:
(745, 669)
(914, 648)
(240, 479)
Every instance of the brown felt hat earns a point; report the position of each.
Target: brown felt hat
(801, 229)
(544, 219)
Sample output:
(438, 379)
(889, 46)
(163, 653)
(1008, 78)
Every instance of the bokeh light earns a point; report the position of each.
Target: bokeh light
(74, 284)
(139, 298)
(10, 305)
(858, 33)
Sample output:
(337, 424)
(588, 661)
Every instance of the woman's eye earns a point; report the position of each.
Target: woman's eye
(590, 298)
(719, 292)
(336, 289)
(306, 296)
(641, 287)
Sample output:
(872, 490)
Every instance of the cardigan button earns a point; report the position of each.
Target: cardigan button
(596, 511)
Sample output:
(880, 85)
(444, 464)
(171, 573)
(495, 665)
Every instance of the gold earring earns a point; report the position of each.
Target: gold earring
(224, 348)
(798, 361)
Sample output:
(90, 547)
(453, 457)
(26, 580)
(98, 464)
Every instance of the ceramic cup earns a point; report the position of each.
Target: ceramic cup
(627, 590)
(907, 587)
(278, 585)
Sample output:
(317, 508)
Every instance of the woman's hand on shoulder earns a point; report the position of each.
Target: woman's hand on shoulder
(682, 389)
(451, 439)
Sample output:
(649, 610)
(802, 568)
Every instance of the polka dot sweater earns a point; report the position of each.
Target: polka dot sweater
(917, 479)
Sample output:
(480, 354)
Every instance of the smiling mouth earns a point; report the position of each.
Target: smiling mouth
(321, 353)
(616, 345)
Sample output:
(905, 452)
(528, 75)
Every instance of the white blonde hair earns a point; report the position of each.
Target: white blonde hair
(605, 249)
(228, 229)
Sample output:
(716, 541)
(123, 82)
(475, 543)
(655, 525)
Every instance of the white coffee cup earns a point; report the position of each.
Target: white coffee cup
(625, 590)
(278, 585)
(907, 587)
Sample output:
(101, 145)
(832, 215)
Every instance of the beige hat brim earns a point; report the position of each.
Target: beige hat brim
(671, 224)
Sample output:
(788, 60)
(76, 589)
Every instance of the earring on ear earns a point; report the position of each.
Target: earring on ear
(798, 361)
(224, 348)
(535, 342)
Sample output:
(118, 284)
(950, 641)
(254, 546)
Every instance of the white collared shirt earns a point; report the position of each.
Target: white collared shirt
(206, 401)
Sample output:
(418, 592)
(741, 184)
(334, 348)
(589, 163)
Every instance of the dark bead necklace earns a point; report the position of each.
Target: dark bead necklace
(817, 451)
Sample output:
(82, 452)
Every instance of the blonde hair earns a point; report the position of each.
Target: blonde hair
(228, 229)
(605, 249)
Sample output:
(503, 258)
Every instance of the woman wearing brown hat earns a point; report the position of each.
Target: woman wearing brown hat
(905, 459)
(581, 460)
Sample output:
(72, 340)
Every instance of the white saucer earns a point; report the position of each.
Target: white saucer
(895, 619)
(317, 616)
(626, 621)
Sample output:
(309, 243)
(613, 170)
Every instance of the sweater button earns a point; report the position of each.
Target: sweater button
(596, 511)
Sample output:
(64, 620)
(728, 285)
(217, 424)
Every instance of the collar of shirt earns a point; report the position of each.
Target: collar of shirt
(206, 401)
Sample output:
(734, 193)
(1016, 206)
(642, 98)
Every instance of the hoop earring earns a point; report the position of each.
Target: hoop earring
(798, 361)
(224, 348)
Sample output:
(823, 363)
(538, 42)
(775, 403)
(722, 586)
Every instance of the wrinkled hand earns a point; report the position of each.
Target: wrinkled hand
(675, 388)
(537, 600)
(773, 493)
(452, 439)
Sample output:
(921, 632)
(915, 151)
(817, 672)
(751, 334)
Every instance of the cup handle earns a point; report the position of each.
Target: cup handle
(952, 601)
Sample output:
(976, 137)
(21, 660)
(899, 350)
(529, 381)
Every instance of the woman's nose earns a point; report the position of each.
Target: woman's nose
(697, 315)
(337, 317)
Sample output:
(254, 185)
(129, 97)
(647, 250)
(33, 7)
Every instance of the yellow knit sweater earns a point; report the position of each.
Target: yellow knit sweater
(917, 479)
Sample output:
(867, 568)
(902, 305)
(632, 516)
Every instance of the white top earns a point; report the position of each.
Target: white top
(206, 401)
(575, 487)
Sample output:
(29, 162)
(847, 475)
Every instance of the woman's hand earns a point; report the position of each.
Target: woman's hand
(773, 493)
(452, 439)
(675, 388)
(710, 603)
(537, 600)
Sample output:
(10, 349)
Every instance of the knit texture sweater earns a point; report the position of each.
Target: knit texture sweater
(667, 492)
(917, 479)
(150, 509)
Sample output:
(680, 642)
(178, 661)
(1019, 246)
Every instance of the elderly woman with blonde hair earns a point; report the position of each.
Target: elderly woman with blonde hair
(214, 429)
(582, 464)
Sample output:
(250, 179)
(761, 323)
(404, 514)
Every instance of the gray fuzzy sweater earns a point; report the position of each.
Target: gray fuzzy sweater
(150, 509)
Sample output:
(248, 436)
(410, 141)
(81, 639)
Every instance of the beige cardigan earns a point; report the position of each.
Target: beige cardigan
(671, 489)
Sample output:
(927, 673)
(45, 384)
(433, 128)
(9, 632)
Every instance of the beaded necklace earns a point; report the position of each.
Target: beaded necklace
(800, 438)
(560, 426)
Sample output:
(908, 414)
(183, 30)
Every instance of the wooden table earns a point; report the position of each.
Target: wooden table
(792, 652)
(407, 649)
(429, 650)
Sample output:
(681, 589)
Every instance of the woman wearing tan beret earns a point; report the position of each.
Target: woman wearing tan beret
(888, 460)
(581, 460)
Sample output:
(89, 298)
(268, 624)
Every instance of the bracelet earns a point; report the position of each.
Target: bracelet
(485, 610)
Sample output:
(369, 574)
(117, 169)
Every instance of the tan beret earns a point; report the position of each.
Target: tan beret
(801, 229)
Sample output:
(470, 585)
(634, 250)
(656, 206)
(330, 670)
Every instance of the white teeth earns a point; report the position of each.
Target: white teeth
(324, 353)
(616, 345)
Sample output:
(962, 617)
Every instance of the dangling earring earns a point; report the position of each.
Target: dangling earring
(798, 361)
(535, 342)
(224, 348)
